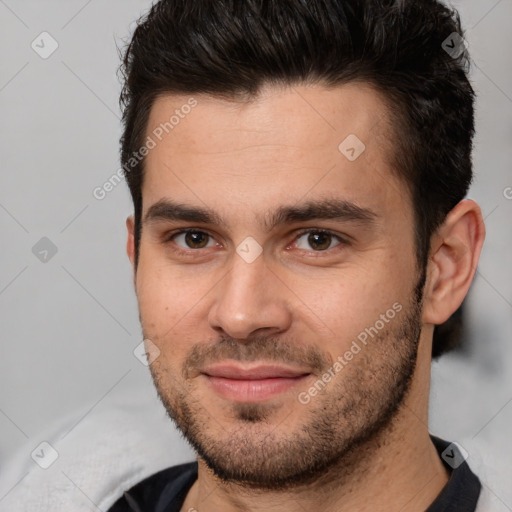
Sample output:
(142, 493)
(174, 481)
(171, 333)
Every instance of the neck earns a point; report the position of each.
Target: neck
(398, 469)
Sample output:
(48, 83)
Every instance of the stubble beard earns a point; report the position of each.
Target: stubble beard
(360, 405)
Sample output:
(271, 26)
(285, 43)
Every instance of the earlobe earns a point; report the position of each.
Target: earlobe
(130, 242)
(455, 251)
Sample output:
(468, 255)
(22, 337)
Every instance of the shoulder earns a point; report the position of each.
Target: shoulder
(168, 484)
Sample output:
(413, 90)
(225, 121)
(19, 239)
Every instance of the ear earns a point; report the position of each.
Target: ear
(455, 250)
(130, 242)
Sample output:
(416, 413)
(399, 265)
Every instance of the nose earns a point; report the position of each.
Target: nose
(250, 298)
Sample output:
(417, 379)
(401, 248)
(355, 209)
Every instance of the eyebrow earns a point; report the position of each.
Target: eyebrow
(326, 209)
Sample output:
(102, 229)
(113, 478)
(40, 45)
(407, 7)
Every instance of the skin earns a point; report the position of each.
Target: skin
(242, 160)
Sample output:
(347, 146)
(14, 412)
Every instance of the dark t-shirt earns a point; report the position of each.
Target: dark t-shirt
(166, 490)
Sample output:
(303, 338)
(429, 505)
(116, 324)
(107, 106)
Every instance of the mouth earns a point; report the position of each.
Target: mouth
(252, 383)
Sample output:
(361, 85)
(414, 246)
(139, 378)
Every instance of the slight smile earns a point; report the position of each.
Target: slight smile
(253, 384)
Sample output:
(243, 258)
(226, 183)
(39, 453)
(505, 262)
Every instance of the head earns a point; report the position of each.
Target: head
(318, 154)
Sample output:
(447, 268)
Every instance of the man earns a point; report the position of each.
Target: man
(298, 172)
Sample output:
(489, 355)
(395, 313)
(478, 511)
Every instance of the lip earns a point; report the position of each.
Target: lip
(252, 383)
(255, 372)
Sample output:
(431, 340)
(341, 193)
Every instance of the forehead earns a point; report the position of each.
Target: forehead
(283, 145)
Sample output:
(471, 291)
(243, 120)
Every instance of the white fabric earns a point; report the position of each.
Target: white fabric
(494, 473)
(109, 451)
(115, 446)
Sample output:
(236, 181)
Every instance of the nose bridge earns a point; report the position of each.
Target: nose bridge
(243, 283)
(248, 300)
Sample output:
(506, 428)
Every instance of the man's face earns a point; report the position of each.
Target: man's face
(287, 320)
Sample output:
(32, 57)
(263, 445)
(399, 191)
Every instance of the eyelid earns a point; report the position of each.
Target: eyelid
(341, 239)
(169, 237)
(172, 234)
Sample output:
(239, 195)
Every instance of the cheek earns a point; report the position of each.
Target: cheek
(172, 307)
(348, 301)
(165, 292)
(162, 302)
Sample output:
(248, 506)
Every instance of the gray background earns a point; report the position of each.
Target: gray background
(70, 325)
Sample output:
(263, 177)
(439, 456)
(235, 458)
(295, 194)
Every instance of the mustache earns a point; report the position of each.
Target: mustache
(257, 348)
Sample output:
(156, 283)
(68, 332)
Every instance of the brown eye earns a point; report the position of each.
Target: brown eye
(317, 240)
(192, 240)
(196, 239)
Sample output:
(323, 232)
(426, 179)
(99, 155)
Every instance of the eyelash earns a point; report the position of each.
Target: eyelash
(342, 241)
